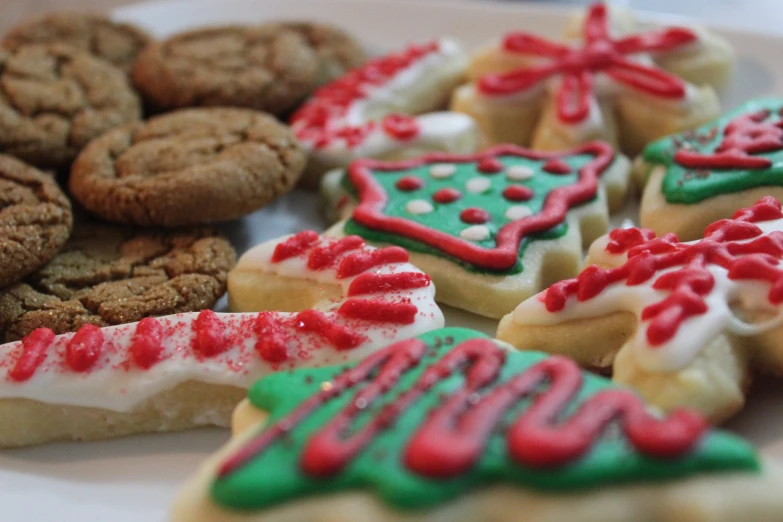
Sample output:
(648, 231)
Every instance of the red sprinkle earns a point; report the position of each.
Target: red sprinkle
(380, 311)
(556, 166)
(294, 246)
(446, 195)
(489, 166)
(325, 256)
(146, 348)
(339, 336)
(518, 193)
(210, 339)
(400, 126)
(409, 183)
(271, 344)
(474, 215)
(84, 348)
(359, 262)
(374, 283)
(34, 349)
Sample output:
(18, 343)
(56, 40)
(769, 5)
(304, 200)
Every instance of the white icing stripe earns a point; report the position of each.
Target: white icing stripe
(117, 383)
(692, 335)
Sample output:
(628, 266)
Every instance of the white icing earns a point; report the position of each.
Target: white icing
(475, 233)
(519, 172)
(478, 185)
(515, 212)
(116, 383)
(419, 206)
(416, 89)
(692, 335)
(442, 170)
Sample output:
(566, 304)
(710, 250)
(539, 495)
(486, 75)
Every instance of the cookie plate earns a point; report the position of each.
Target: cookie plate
(135, 478)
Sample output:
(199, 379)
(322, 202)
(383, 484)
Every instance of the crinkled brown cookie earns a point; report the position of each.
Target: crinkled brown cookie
(35, 219)
(110, 275)
(188, 167)
(115, 42)
(271, 67)
(54, 99)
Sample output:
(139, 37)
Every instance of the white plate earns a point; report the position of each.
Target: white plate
(134, 479)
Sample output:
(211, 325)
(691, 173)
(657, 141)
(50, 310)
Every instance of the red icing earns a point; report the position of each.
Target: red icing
(271, 344)
(556, 166)
(446, 195)
(84, 348)
(366, 259)
(319, 121)
(375, 283)
(518, 193)
(453, 436)
(146, 348)
(409, 183)
(489, 166)
(381, 311)
(34, 349)
(735, 244)
(621, 240)
(599, 53)
(325, 256)
(294, 246)
(474, 215)
(210, 339)
(339, 336)
(373, 199)
(745, 135)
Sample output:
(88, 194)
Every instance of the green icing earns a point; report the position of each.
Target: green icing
(686, 185)
(445, 217)
(274, 476)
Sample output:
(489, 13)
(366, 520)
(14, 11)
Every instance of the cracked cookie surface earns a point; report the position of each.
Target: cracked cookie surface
(54, 99)
(117, 43)
(112, 275)
(271, 67)
(192, 166)
(35, 219)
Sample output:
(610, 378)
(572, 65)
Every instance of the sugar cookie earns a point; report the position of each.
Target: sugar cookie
(684, 323)
(627, 90)
(704, 175)
(453, 426)
(372, 111)
(493, 228)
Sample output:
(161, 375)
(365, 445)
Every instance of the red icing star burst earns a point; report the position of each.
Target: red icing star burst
(600, 53)
(737, 245)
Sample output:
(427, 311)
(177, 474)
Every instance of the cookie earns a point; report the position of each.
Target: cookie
(384, 110)
(492, 228)
(453, 426)
(117, 43)
(331, 292)
(55, 99)
(686, 323)
(35, 219)
(107, 275)
(624, 89)
(701, 176)
(271, 67)
(188, 167)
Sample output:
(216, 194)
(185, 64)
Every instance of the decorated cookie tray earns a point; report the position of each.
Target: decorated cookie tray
(371, 409)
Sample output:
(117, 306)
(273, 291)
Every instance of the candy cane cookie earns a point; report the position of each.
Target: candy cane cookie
(187, 370)
(452, 425)
(385, 110)
(490, 228)
(627, 89)
(697, 177)
(686, 323)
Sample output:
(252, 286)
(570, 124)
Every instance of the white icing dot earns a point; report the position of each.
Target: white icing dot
(478, 185)
(515, 212)
(442, 170)
(419, 206)
(519, 172)
(475, 233)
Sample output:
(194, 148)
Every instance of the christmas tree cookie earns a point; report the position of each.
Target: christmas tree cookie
(618, 81)
(453, 425)
(697, 177)
(492, 228)
(685, 323)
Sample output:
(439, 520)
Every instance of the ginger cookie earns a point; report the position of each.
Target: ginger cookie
(112, 275)
(188, 167)
(55, 99)
(270, 67)
(35, 219)
(117, 43)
